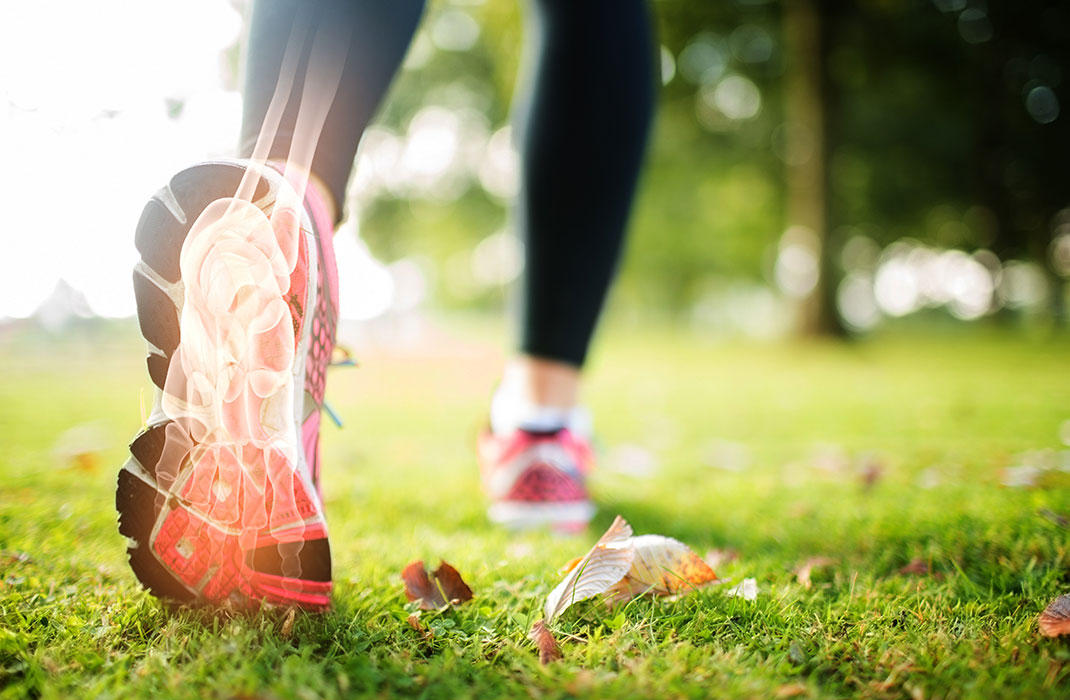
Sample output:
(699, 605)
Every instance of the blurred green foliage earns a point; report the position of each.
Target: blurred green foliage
(940, 127)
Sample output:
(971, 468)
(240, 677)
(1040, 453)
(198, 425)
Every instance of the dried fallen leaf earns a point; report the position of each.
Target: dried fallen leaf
(661, 566)
(544, 640)
(288, 623)
(804, 571)
(414, 622)
(625, 566)
(748, 590)
(442, 587)
(606, 564)
(1055, 620)
(451, 584)
(791, 690)
(916, 567)
(418, 586)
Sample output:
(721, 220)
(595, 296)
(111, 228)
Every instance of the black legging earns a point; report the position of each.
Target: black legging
(583, 121)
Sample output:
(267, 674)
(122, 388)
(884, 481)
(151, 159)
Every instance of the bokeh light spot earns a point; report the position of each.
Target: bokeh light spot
(1042, 104)
(974, 26)
(735, 96)
(702, 60)
(668, 66)
(454, 30)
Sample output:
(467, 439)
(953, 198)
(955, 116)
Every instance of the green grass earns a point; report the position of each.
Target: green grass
(942, 415)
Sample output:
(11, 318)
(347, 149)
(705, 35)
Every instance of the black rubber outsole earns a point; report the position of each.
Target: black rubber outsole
(164, 224)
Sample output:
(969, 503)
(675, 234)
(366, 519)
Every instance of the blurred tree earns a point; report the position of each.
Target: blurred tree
(806, 101)
(937, 120)
(947, 125)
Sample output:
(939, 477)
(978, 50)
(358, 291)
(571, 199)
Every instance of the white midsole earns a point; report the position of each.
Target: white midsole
(521, 514)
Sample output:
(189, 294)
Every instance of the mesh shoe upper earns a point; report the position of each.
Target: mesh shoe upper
(534, 468)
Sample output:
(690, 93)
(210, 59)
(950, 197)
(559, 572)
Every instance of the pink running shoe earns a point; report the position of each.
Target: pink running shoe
(220, 498)
(537, 479)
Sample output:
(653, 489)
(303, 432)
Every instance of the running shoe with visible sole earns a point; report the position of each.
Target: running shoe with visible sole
(537, 479)
(219, 500)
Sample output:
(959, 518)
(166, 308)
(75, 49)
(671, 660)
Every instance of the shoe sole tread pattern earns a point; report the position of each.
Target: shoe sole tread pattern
(155, 515)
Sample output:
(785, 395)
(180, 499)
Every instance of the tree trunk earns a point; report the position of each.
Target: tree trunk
(805, 107)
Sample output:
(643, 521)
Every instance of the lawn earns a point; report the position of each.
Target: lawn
(886, 457)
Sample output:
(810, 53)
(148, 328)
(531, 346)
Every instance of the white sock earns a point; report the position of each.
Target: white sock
(509, 412)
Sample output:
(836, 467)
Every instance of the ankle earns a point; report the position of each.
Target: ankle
(540, 396)
(542, 382)
(318, 196)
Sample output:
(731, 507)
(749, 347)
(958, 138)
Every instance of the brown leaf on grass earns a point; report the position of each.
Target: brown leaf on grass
(452, 585)
(791, 690)
(803, 572)
(414, 622)
(604, 565)
(288, 623)
(916, 567)
(624, 566)
(661, 566)
(444, 586)
(545, 642)
(418, 586)
(1055, 620)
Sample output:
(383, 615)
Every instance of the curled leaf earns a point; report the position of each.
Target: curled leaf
(602, 567)
(545, 642)
(1055, 620)
(661, 566)
(442, 587)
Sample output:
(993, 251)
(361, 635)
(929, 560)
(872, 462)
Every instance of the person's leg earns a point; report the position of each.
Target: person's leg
(317, 71)
(219, 497)
(378, 36)
(583, 121)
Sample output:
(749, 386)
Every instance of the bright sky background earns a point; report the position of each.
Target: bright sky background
(85, 137)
